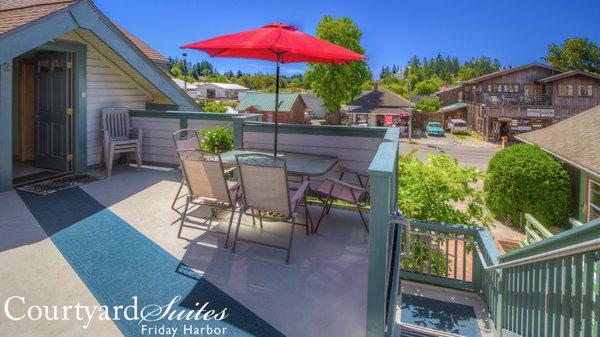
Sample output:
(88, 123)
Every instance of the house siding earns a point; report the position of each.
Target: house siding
(106, 88)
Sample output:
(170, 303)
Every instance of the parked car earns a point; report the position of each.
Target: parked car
(458, 126)
(434, 129)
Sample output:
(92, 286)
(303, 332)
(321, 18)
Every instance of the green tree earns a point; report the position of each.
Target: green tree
(525, 179)
(575, 54)
(338, 84)
(428, 86)
(429, 104)
(430, 191)
(214, 106)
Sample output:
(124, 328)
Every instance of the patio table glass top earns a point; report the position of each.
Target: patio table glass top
(299, 164)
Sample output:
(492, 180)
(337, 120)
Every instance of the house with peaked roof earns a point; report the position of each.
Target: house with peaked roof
(576, 143)
(61, 62)
(526, 98)
(378, 107)
(292, 108)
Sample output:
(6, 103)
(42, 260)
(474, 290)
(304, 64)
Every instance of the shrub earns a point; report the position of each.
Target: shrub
(214, 106)
(525, 179)
(218, 139)
(433, 190)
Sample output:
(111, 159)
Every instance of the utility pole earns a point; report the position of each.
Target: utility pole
(410, 110)
(185, 72)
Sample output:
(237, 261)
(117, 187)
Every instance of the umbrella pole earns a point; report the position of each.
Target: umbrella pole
(276, 104)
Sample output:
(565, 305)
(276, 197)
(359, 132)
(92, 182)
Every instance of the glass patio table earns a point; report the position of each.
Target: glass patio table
(298, 164)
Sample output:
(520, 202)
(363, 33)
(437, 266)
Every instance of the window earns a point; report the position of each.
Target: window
(594, 201)
(565, 90)
(512, 88)
(585, 90)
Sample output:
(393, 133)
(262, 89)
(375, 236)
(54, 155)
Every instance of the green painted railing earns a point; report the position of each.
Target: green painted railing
(534, 230)
(383, 239)
(549, 288)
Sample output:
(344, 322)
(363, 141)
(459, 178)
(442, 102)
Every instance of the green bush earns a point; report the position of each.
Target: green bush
(217, 140)
(214, 106)
(525, 179)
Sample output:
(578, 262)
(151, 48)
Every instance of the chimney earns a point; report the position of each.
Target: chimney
(375, 86)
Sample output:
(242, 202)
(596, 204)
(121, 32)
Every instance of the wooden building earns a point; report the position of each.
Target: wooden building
(526, 98)
(292, 108)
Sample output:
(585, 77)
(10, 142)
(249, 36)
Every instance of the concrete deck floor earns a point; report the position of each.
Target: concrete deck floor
(322, 292)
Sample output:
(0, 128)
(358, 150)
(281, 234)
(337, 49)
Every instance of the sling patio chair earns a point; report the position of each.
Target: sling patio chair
(119, 137)
(337, 189)
(207, 185)
(264, 181)
(184, 139)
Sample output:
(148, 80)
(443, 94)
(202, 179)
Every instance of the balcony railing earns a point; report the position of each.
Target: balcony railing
(549, 288)
(517, 99)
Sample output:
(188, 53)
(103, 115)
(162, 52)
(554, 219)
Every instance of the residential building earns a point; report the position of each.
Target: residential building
(526, 98)
(292, 108)
(190, 88)
(220, 91)
(576, 143)
(315, 105)
(62, 62)
(378, 107)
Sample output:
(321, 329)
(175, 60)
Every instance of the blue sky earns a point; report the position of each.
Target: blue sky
(515, 32)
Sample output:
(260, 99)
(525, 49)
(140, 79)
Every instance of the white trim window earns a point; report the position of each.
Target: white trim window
(593, 201)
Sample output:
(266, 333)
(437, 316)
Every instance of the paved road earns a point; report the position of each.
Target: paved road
(469, 152)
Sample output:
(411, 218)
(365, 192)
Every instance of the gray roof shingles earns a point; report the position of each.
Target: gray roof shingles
(576, 139)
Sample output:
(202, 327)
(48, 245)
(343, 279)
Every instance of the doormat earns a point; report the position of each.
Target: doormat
(58, 184)
(37, 177)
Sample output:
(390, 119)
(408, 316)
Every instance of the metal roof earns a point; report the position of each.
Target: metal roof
(453, 106)
(230, 86)
(266, 101)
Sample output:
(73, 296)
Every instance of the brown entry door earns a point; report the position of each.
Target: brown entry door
(50, 117)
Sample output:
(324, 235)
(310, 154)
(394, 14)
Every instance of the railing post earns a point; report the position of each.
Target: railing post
(383, 191)
(378, 249)
(238, 129)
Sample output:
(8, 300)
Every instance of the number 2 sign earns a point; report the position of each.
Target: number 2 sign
(5, 66)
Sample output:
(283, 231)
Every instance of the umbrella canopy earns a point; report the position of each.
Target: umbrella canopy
(277, 42)
(280, 43)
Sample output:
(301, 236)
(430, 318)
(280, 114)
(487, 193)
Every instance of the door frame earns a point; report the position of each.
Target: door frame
(78, 131)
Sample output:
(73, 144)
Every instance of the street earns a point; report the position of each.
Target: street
(468, 150)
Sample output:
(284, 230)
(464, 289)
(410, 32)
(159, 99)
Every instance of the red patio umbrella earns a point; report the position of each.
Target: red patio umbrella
(280, 43)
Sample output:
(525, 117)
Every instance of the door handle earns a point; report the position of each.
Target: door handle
(36, 115)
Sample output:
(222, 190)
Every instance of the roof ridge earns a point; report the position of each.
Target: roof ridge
(38, 5)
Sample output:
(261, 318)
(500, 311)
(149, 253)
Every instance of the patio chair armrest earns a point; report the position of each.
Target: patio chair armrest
(228, 170)
(345, 184)
(299, 194)
(346, 169)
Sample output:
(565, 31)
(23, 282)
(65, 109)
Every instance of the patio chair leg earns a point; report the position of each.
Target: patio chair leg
(253, 219)
(329, 207)
(109, 163)
(177, 197)
(289, 251)
(230, 223)
(362, 217)
(260, 219)
(138, 158)
(187, 204)
(323, 213)
(237, 230)
(307, 216)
